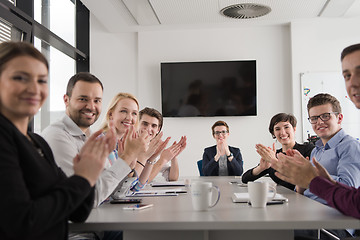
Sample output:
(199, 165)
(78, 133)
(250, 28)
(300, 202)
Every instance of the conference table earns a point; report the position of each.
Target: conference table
(173, 217)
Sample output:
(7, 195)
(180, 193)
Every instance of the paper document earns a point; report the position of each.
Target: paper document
(156, 192)
(244, 197)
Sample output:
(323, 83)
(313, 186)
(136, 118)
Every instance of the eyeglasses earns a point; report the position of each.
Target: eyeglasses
(217, 133)
(324, 117)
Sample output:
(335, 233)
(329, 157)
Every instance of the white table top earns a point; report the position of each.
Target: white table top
(176, 213)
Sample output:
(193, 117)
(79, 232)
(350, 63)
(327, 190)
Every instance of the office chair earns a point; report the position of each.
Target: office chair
(199, 164)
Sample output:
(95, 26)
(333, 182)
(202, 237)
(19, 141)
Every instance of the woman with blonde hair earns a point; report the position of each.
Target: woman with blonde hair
(123, 113)
(124, 107)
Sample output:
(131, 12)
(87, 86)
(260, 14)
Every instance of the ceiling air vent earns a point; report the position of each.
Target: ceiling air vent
(245, 10)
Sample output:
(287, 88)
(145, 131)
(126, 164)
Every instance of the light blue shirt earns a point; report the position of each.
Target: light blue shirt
(340, 157)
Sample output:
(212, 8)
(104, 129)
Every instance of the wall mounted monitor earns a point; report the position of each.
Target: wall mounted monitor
(206, 89)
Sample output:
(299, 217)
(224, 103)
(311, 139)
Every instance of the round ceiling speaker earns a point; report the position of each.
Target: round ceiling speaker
(245, 10)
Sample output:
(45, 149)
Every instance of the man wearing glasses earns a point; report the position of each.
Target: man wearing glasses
(222, 159)
(336, 151)
(297, 170)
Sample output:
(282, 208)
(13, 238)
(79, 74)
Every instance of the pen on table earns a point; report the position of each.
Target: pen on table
(272, 202)
(175, 192)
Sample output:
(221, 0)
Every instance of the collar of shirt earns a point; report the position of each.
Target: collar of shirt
(72, 128)
(333, 142)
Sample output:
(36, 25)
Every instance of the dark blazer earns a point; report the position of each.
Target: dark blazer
(37, 198)
(304, 149)
(211, 168)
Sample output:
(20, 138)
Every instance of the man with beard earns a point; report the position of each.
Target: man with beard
(83, 100)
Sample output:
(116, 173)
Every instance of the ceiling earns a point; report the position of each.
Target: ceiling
(136, 15)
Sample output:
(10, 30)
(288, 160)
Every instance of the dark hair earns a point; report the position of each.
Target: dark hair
(281, 117)
(81, 76)
(349, 49)
(152, 113)
(11, 50)
(219, 123)
(322, 99)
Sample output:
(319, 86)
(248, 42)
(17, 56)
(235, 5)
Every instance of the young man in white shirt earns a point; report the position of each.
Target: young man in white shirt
(151, 121)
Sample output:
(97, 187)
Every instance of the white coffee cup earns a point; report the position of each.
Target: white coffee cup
(259, 193)
(201, 195)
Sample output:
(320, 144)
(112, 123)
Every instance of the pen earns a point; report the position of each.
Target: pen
(272, 202)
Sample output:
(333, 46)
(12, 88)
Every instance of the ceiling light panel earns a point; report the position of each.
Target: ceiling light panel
(336, 8)
(142, 12)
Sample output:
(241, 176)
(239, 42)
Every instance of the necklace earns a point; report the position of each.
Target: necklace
(38, 149)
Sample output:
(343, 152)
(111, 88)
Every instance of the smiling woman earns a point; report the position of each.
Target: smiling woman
(123, 111)
(282, 127)
(39, 199)
(23, 89)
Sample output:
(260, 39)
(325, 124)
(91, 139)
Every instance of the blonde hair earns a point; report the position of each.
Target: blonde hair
(112, 106)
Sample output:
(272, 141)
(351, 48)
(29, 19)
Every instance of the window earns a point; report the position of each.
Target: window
(42, 22)
(54, 15)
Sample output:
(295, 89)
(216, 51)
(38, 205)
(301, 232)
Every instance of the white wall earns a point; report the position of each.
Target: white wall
(113, 59)
(273, 71)
(316, 47)
(131, 62)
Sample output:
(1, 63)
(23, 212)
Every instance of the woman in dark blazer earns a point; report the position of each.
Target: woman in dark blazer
(222, 159)
(37, 198)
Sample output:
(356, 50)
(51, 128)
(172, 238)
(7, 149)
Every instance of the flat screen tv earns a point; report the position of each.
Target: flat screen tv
(216, 88)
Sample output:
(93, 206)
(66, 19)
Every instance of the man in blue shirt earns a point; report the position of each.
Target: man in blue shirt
(336, 151)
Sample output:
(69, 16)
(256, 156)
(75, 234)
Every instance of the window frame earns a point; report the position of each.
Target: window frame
(21, 17)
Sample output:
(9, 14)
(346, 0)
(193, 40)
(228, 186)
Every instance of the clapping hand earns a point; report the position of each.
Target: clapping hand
(221, 147)
(294, 168)
(156, 146)
(90, 162)
(266, 153)
(134, 144)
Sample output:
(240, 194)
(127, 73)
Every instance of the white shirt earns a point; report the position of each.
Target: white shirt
(66, 139)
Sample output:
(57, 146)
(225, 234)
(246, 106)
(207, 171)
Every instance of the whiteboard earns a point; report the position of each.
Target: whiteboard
(332, 83)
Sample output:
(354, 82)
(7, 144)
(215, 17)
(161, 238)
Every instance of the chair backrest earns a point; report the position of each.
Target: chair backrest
(199, 164)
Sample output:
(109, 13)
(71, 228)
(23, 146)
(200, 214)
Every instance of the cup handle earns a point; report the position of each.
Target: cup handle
(274, 191)
(218, 197)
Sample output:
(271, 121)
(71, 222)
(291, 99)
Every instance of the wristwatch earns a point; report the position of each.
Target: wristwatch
(231, 155)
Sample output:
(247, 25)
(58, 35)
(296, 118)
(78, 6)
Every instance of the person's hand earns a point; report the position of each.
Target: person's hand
(120, 143)
(322, 171)
(90, 162)
(294, 169)
(134, 145)
(111, 136)
(300, 190)
(261, 167)
(173, 151)
(182, 144)
(156, 147)
(220, 147)
(264, 165)
(266, 153)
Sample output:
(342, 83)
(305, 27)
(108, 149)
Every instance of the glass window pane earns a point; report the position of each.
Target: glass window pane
(61, 68)
(55, 14)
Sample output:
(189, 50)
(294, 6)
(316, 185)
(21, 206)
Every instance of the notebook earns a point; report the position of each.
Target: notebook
(244, 197)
